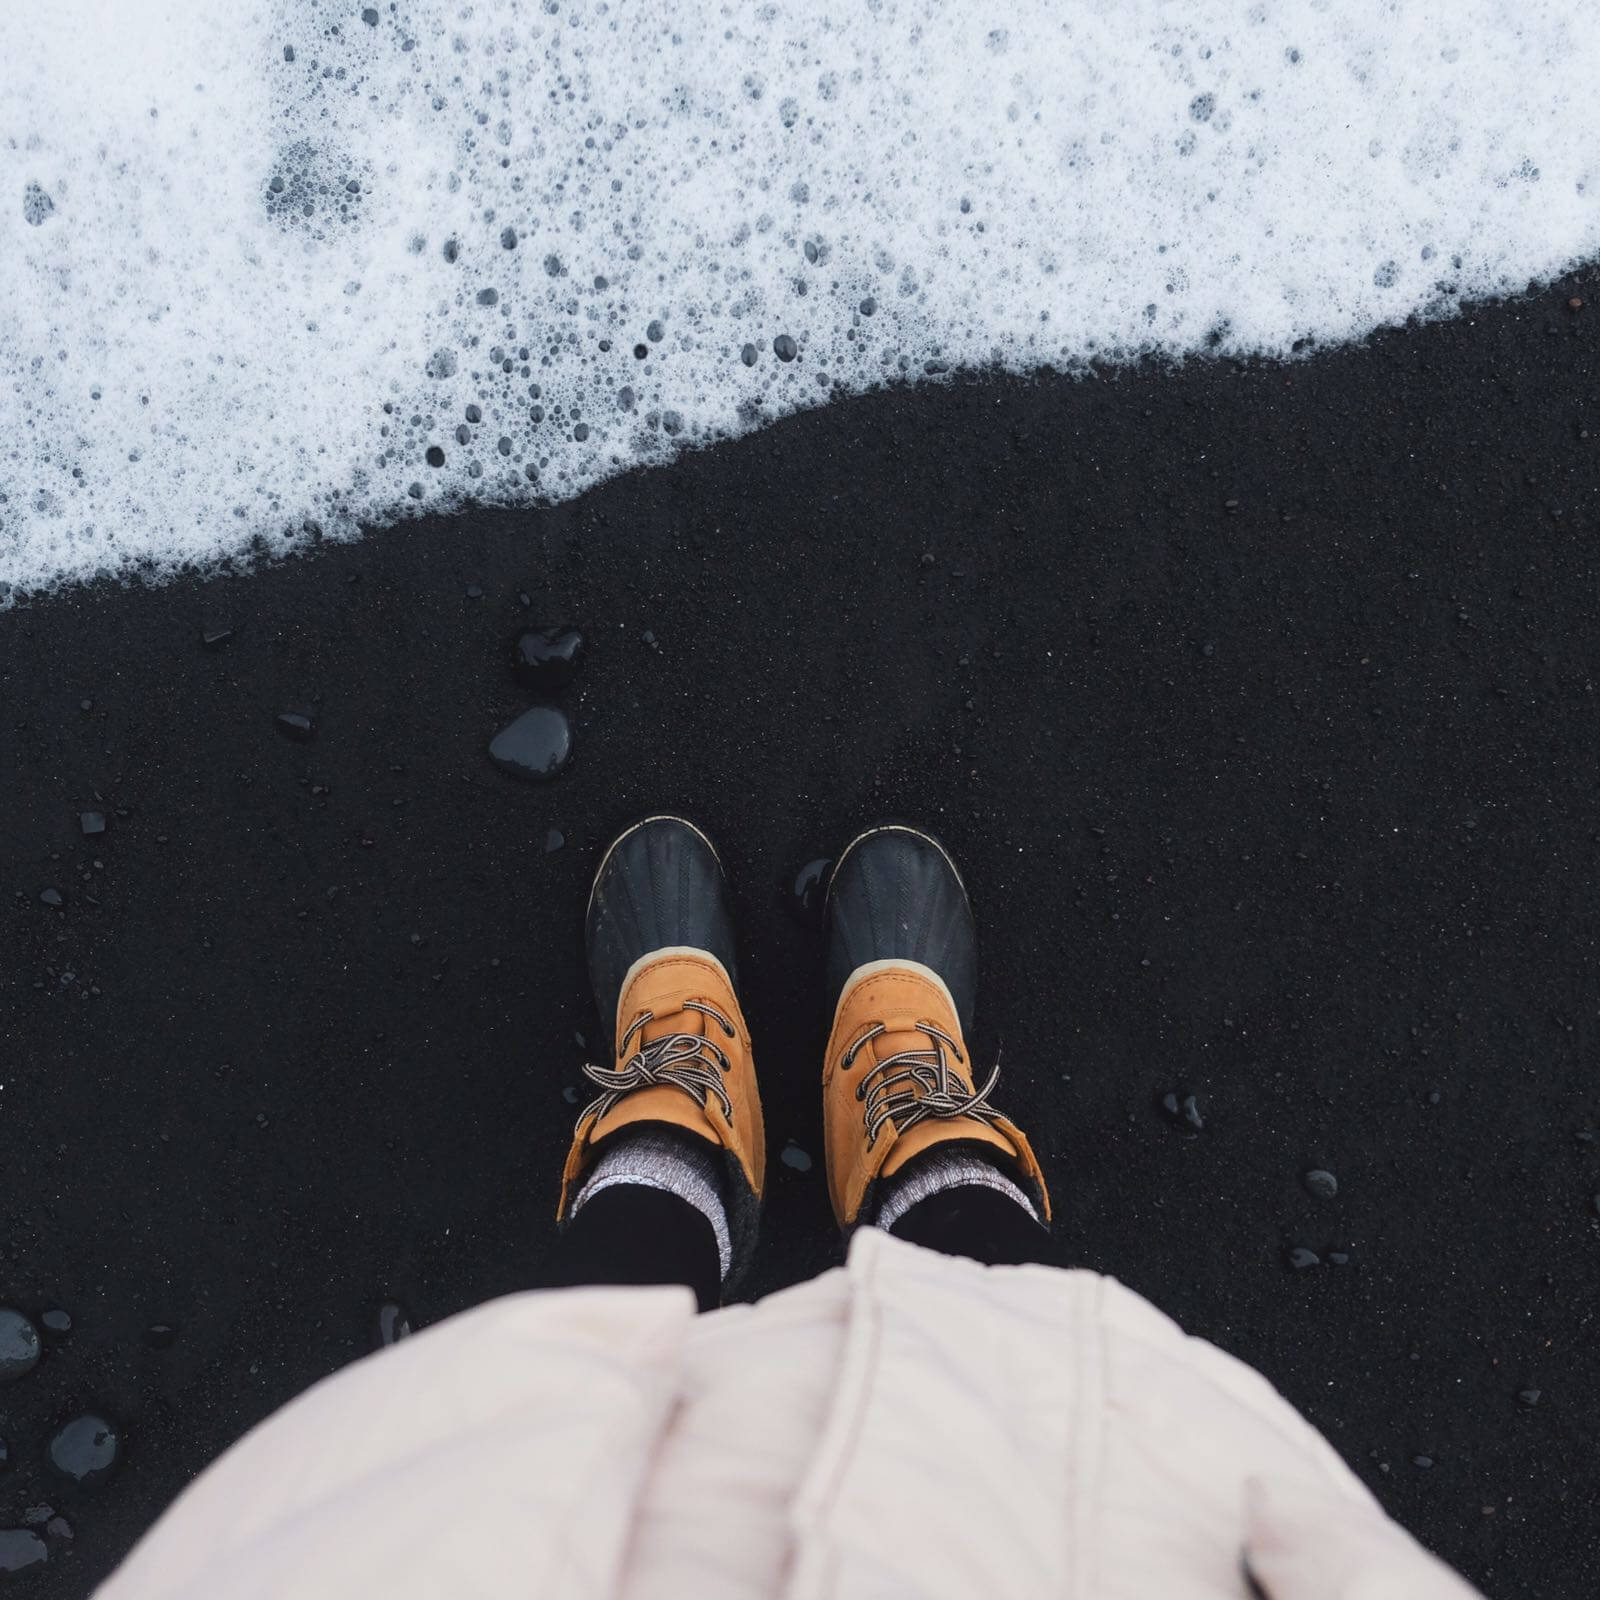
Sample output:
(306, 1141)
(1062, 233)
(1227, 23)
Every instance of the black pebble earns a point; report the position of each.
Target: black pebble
(536, 745)
(394, 1324)
(1528, 1398)
(160, 1335)
(85, 1450)
(1338, 1258)
(1301, 1258)
(297, 725)
(785, 348)
(19, 1345)
(21, 1548)
(474, 591)
(434, 456)
(546, 658)
(1321, 1184)
(806, 895)
(793, 1156)
(56, 1321)
(370, 16)
(51, 897)
(749, 354)
(1422, 1461)
(92, 821)
(1184, 1110)
(553, 841)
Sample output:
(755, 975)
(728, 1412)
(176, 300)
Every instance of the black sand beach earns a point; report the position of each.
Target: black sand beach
(1259, 704)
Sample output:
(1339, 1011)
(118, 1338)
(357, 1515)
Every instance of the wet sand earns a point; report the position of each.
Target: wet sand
(1257, 702)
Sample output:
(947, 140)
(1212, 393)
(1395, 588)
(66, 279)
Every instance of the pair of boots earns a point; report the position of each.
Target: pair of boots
(678, 1116)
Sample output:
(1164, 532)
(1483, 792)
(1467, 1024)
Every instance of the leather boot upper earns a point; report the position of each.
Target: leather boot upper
(897, 1080)
(682, 1056)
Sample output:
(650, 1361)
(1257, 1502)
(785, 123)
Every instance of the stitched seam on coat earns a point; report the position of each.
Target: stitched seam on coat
(1094, 1345)
(841, 1434)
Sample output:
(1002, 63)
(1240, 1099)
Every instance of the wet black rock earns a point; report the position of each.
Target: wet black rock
(809, 889)
(545, 659)
(1184, 1109)
(92, 822)
(536, 745)
(57, 1322)
(749, 355)
(394, 1323)
(160, 1335)
(1323, 1185)
(553, 841)
(19, 1345)
(84, 1450)
(21, 1548)
(300, 726)
(785, 348)
(1301, 1258)
(793, 1156)
(51, 897)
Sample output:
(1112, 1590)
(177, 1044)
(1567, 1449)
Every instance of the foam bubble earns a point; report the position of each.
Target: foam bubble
(274, 271)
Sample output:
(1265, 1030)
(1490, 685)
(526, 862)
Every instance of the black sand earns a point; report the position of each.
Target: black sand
(1258, 703)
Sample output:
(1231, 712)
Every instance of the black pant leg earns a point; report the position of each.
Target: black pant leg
(970, 1220)
(632, 1234)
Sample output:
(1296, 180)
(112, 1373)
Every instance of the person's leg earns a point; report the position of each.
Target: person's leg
(663, 1182)
(963, 1204)
(913, 1143)
(633, 1234)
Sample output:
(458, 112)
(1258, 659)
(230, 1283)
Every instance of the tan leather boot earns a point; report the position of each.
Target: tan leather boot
(661, 959)
(897, 1077)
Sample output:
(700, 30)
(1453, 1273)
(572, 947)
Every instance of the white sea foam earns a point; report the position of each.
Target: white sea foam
(256, 260)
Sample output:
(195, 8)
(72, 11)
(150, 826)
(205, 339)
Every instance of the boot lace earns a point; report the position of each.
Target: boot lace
(693, 1062)
(913, 1085)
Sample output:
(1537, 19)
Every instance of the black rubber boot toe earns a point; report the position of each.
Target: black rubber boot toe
(660, 884)
(895, 894)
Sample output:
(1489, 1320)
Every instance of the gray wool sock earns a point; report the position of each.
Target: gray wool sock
(678, 1163)
(932, 1173)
